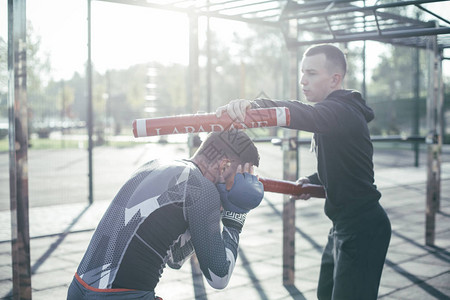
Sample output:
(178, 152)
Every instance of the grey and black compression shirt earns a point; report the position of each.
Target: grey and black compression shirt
(163, 213)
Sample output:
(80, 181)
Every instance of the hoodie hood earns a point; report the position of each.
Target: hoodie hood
(355, 99)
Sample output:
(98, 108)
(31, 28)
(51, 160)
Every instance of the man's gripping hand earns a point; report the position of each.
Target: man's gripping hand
(302, 181)
(236, 109)
(245, 194)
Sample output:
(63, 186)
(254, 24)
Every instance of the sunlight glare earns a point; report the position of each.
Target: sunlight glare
(123, 35)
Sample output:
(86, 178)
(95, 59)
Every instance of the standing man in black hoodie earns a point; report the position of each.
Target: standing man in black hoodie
(353, 259)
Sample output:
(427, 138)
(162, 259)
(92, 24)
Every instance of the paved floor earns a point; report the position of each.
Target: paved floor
(61, 232)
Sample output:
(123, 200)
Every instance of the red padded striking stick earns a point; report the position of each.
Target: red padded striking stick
(292, 188)
(255, 118)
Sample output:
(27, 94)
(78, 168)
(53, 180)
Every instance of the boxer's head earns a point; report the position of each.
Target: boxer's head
(222, 152)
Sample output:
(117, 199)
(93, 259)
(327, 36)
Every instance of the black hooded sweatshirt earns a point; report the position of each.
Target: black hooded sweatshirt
(343, 148)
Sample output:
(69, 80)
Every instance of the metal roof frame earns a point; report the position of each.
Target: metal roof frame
(326, 21)
(345, 22)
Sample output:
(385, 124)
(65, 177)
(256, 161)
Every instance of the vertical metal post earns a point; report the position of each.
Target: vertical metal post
(289, 173)
(242, 79)
(193, 87)
(193, 105)
(193, 79)
(63, 112)
(441, 117)
(107, 105)
(416, 91)
(290, 169)
(18, 149)
(364, 85)
(434, 141)
(208, 63)
(90, 117)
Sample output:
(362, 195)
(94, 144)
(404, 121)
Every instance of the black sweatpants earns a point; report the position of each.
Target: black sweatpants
(353, 259)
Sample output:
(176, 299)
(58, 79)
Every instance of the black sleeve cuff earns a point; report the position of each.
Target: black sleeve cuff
(233, 219)
(314, 179)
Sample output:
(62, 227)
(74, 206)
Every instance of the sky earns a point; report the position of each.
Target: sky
(123, 35)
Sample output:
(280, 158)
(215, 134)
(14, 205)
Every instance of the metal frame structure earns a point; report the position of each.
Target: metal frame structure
(303, 23)
(330, 21)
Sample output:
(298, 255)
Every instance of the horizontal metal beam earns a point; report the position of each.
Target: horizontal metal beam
(347, 23)
(383, 35)
(433, 14)
(167, 7)
(214, 4)
(259, 21)
(237, 6)
(276, 141)
(398, 138)
(314, 4)
(403, 19)
(375, 36)
(353, 8)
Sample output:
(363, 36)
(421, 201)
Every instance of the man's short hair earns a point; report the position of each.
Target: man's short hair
(231, 144)
(335, 57)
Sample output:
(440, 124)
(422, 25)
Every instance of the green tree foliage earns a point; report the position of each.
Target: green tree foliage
(354, 77)
(62, 95)
(225, 74)
(39, 104)
(263, 62)
(393, 81)
(120, 96)
(171, 89)
(251, 65)
(38, 69)
(394, 77)
(77, 84)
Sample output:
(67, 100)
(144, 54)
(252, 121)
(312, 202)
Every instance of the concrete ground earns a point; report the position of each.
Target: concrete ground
(61, 224)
